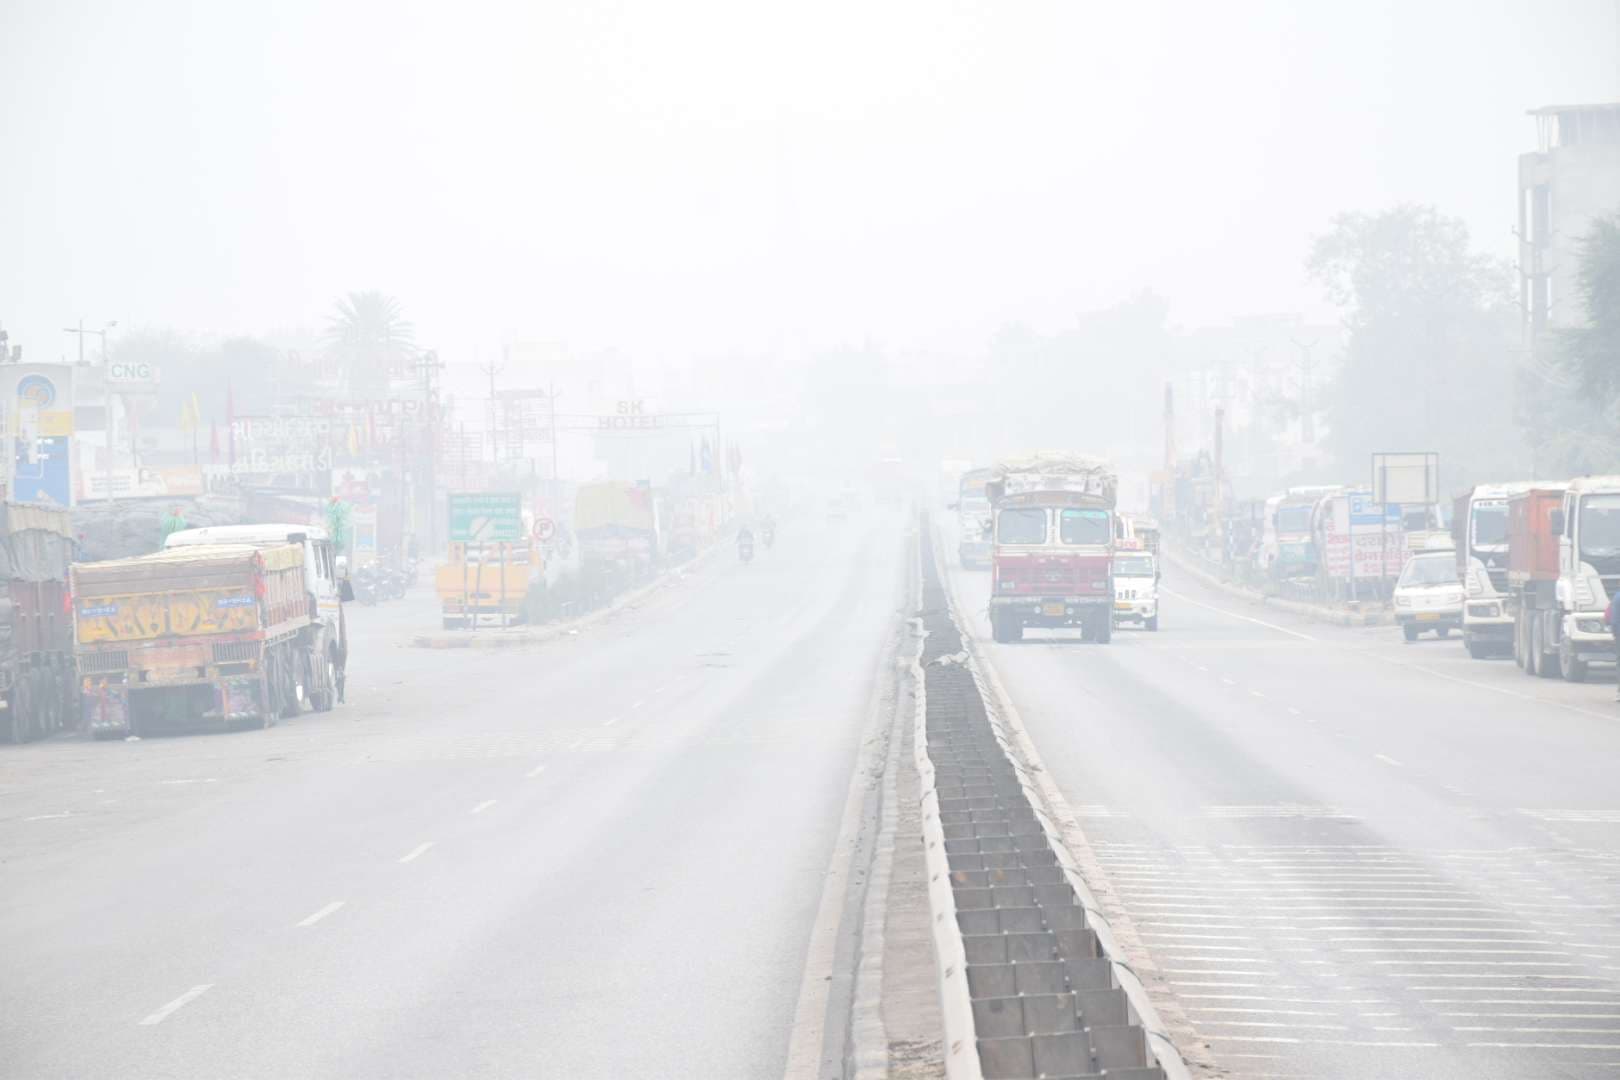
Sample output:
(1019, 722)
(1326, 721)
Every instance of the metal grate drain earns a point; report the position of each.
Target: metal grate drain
(1042, 991)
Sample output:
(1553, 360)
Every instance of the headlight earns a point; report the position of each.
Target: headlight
(1589, 626)
(1006, 585)
(1454, 598)
(1403, 601)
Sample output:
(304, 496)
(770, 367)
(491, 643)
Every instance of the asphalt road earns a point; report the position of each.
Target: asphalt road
(600, 857)
(1333, 854)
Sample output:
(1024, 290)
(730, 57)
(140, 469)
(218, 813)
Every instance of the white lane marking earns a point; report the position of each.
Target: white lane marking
(1228, 682)
(177, 1004)
(1387, 760)
(534, 772)
(638, 703)
(1541, 1015)
(192, 780)
(1245, 618)
(485, 805)
(311, 920)
(416, 852)
(610, 721)
(1202, 668)
(1292, 711)
(48, 817)
(577, 743)
(1256, 693)
(1542, 1046)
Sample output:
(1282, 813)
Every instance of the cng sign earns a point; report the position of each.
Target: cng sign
(486, 517)
(132, 374)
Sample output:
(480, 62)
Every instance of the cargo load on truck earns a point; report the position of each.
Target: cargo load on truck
(222, 634)
(1052, 545)
(38, 687)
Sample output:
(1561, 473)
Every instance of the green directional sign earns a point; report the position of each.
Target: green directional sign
(486, 517)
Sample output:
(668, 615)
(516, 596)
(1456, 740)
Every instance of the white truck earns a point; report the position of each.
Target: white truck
(1286, 546)
(1136, 584)
(1588, 529)
(1480, 535)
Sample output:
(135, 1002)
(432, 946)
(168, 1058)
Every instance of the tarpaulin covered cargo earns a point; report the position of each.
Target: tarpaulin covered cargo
(1074, 473)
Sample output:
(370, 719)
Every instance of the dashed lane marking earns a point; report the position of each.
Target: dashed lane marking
(176, 1005)
(311, 920)
(534, 772)
(1387, 760)
(481, 807)
(416, 852)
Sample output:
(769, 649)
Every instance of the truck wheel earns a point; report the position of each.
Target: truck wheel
(16, 727)
(998, 628)
(1538, 651)
(324, 698)
(1152, 622)
(1476, 651)
(1571, 667)
(1410, 630)
(1104, 627)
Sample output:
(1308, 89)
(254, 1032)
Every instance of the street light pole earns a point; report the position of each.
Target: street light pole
(106, 387)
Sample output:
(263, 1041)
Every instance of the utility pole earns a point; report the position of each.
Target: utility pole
(1307, 413)
(1167, 496)
(1220, 515)
(106, 389)
(490, 371)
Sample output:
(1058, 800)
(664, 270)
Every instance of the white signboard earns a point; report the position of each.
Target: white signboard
(1356, 534)
(132, 375)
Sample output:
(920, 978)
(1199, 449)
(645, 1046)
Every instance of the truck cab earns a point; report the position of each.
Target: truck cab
(1588, 528)
(1480, 536)
(973, 520)
(1287, 549)
(1052, 546)
(1136, 584)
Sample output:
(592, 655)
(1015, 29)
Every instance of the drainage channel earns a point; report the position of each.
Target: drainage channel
(1041, 998)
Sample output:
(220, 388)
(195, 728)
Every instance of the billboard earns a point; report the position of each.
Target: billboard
(37, 400)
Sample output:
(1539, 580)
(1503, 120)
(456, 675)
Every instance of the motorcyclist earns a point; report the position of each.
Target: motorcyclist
(745, 543)
(767, 529)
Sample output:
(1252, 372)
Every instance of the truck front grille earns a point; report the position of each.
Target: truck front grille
(112, 660)
(229, 652)
(1499, 580)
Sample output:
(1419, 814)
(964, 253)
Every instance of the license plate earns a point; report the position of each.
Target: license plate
(1052, 609)
(1428, 616)
(1122, 605)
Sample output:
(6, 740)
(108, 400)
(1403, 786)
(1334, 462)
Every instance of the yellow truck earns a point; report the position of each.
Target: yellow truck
(488, 583)
(227, 634)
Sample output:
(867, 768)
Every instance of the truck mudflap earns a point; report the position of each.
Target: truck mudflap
(113, 709)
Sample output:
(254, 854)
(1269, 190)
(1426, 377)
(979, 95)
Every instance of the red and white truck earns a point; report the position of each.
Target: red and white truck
(1563, 566)
(1052, 545)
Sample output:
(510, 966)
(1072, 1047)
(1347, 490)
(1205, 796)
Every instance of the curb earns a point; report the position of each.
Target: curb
(1315, 612)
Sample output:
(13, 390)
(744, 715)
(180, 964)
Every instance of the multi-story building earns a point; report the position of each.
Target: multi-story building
(1572, 178)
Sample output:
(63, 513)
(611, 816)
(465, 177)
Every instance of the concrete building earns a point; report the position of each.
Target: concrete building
(1572, 178)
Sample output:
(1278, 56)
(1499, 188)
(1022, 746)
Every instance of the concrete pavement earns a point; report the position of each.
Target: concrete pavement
(1335, 854)
(602, 857)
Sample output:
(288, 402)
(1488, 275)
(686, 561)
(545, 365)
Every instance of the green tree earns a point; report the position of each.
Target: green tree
(371, 340)
(1430, 363)
(1571, 394)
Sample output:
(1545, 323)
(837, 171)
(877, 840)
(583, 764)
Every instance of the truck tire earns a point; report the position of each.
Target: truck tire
(1104, 628)
(1476, 651)
(1571, 667)
(1538, 651)
(325, 694)
(16, 725)
(1410, 631)
(1152, 622)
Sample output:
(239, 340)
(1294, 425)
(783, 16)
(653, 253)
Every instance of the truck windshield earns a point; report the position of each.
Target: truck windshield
(1021, 526)
(974, 505)
(1293, 519)
(1085, 527)
(1490, 524)
(1600, 525)
(1430, 570)
(1133, 565)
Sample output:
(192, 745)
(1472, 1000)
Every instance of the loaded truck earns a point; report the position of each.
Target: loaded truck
(1052, 545)
(1564, 565)
(1479, 533)
(1286, 546)
(231, 626)
(38, 690)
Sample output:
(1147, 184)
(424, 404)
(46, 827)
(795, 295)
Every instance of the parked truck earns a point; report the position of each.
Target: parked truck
(1052, 547)
(1286, 546)
(1565, 546)
(38, 689)
(232, 630)
(1479, 533)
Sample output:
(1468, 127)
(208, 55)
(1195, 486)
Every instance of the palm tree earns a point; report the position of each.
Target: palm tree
(371, 341)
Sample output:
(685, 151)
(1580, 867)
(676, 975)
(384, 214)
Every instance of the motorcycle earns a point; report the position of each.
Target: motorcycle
(745, 548)
(365, 583)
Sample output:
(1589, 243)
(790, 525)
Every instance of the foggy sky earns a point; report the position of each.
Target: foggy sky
(677, 179)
